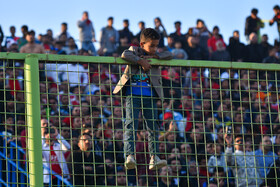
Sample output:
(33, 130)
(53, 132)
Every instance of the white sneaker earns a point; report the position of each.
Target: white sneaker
(130, 162)
(156, 163)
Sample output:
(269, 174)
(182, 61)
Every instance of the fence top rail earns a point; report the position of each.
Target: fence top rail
(117, 60)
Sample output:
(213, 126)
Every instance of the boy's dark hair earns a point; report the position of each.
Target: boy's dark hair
(110, 18)
(276, 7)
(149, 34)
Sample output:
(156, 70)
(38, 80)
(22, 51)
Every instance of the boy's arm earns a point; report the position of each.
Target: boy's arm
(132, 55)
(166, 55)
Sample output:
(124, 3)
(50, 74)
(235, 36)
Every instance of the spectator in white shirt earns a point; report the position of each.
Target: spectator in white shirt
(53, 158)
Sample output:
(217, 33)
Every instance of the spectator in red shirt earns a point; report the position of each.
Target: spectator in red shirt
(212, 46)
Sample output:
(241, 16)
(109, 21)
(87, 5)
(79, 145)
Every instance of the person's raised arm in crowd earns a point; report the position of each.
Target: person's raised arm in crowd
(229, 150)
(161, 30)
(171, 128)
(65, 146)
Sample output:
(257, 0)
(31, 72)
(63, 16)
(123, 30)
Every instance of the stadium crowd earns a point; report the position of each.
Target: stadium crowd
(209, 118)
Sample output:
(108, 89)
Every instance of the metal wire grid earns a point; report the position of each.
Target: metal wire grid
(13, 162)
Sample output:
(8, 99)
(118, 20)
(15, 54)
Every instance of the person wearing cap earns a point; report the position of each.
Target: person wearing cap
(31, 46)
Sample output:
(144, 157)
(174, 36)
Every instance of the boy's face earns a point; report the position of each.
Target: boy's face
(150, 46)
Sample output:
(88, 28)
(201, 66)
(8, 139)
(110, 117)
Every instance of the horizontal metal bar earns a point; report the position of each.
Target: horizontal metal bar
(51, 58)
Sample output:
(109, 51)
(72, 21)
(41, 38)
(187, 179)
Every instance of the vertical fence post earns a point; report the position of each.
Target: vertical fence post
(31, 72)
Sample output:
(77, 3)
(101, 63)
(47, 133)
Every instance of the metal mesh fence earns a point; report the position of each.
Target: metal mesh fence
(215, 124)
(13, 160)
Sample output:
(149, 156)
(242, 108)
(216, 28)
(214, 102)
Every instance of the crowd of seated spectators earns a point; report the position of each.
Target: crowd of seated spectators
(82, 122)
